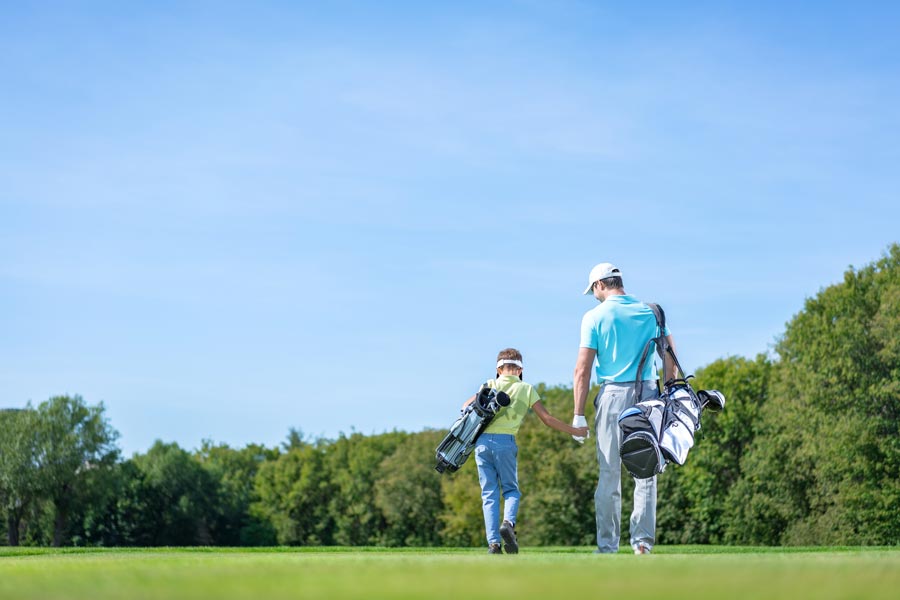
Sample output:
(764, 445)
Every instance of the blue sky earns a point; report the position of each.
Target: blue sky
(224, 220)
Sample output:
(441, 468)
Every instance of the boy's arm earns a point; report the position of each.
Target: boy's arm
(468, 402)
(554, 423)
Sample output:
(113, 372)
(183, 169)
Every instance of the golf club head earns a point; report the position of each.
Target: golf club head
(713, 400)
(489, 401)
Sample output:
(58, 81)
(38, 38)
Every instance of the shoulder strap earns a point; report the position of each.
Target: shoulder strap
(662, 344)
(662, 348)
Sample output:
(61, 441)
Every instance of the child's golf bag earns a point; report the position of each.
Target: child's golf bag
(459, 443)
(661, 430)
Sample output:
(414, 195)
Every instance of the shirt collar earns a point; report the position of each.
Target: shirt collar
(620, 298)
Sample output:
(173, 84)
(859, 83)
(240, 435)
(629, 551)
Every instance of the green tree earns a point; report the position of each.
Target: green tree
(94, 518)
(167, 499)
(353, 462)
(72, 440)
(234, 472)
(408, 492)
(825, 467)
(19, 482)
(293, 494)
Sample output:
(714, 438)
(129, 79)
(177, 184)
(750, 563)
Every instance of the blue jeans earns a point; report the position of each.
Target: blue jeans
(495, 456)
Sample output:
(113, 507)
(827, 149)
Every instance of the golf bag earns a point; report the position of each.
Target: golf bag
(661, 430)
(456, 447)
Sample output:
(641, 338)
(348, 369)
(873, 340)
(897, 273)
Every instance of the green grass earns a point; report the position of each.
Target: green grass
(695, 572)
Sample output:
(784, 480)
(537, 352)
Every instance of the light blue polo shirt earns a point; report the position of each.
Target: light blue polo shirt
(618, 329)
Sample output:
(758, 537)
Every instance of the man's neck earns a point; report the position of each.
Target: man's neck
(608, 293)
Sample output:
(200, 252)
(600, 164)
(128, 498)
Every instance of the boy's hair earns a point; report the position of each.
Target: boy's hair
(508, 354)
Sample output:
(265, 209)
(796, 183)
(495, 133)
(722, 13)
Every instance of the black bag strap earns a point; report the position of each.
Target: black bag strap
(662, 349)
(660, 317)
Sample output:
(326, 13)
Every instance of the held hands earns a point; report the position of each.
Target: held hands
(579, 422)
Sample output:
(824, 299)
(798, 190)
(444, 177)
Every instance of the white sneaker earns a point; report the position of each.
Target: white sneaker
(641, 548)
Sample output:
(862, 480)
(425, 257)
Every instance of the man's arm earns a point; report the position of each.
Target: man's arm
(550, 421)
(582, 380)
(670, 364)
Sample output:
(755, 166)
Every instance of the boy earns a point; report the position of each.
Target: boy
(496, 450)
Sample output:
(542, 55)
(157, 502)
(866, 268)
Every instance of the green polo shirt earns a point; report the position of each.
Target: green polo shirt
(522, 397)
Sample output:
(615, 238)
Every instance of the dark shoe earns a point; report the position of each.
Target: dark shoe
(494, 549)
(508, 533)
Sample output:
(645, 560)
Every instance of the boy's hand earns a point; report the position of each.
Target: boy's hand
(580, 421)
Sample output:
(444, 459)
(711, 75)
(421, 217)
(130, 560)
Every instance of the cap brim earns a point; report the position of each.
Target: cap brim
(588, 290)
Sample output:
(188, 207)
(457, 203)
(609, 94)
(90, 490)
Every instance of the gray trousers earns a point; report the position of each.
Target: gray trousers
(612, 399)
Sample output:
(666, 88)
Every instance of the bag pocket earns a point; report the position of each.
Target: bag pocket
(677, 441)
(641, 455)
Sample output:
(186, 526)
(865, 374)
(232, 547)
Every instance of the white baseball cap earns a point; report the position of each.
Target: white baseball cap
(602, 271)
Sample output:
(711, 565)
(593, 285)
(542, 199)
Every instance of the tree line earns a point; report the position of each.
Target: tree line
(807, 452)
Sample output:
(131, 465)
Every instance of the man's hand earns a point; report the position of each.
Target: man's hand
(580, 421)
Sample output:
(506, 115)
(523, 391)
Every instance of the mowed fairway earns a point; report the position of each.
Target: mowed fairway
(673, 572)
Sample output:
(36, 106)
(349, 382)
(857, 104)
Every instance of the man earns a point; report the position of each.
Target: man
(615, 334)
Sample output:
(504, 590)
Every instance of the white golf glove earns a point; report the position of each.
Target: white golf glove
(580, 421)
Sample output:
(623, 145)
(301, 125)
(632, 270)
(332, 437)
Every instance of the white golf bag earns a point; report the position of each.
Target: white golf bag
(661, 430)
